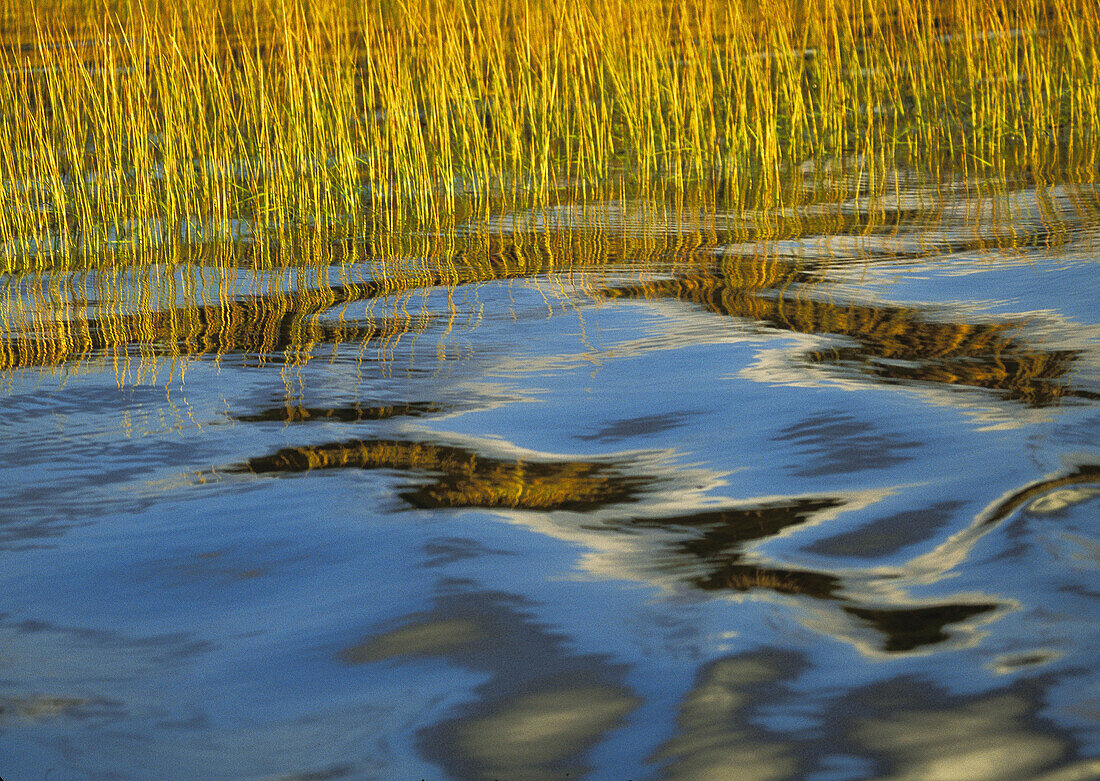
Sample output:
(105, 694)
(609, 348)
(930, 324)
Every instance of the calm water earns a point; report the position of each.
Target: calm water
(695, 506)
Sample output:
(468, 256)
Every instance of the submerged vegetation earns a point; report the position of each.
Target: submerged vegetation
(892, 343)
(137, 124)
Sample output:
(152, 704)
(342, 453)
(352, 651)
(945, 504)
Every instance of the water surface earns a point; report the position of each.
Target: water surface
(616, 498)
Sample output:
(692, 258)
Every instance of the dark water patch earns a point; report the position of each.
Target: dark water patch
(460, 477)
(721, 532)
(349, 414)
(894, 344)
(628, 428)
(907, 629)
(886, 536)
(102, 455)
(196, 723)
(542, 708)
(29, 529)
(38, 514)
(226, 565)
(442, 553)
(711, 559)
(838, 443)
(1080, 434)
(97, 474)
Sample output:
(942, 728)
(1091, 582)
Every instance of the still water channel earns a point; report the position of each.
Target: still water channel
(645, 497)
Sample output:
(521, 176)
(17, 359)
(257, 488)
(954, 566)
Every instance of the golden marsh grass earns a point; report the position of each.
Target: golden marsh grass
(133, 123)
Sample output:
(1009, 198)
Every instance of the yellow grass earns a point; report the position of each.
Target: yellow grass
(142, 124)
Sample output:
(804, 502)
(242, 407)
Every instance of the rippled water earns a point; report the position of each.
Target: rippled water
(634, 499)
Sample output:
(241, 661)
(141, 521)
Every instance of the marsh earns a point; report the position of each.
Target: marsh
(530, 390)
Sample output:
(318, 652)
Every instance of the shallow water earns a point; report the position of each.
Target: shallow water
(822, 506)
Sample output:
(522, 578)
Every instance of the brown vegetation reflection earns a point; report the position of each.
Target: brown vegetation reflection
(893, 343)
(49, 320)
(296, 413)
(464, 478)
(264, 326)
(712, 558)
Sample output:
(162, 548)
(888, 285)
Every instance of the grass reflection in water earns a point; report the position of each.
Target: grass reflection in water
(894, 344)
(464, 478)
(704, 550)
(68, 319)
